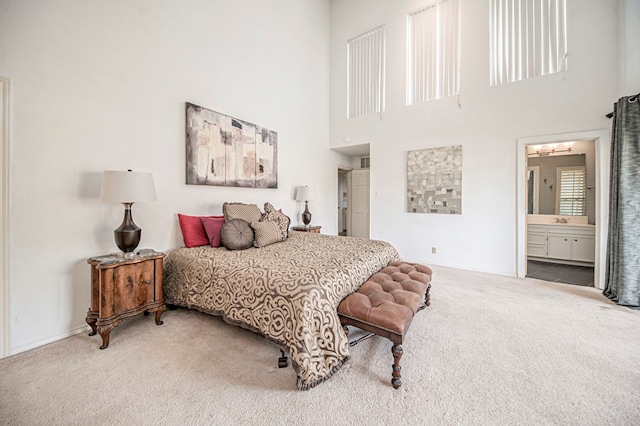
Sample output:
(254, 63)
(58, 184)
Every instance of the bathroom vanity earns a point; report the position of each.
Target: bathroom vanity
(561, 243)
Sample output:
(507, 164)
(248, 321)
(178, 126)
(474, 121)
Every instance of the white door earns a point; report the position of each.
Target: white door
(359, 226)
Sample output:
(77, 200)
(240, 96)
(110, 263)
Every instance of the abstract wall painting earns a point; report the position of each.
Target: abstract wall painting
(434, 180)
(227, 151)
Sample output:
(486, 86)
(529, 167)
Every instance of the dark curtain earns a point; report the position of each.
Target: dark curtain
(622, 277)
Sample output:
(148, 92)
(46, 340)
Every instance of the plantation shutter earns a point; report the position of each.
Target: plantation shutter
(572, 191)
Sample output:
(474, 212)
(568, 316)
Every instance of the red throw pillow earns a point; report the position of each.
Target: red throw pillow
(193, 232)
(212, 226)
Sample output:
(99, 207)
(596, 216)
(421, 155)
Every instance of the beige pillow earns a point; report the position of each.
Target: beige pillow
(266, 233)
(248, 212)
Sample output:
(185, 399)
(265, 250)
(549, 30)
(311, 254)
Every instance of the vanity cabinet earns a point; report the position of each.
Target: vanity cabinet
(568, 243)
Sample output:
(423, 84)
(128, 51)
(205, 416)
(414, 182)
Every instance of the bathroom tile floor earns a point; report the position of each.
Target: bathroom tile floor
(556, 272)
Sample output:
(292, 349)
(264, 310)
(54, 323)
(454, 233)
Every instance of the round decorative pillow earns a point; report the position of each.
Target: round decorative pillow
(236, 234)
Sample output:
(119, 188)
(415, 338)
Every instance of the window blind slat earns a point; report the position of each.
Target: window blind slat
(528, 39)
(433, 52)
(365, 73)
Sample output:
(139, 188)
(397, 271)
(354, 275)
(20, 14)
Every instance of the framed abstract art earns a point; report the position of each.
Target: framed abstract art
(226, 151)
(434, 180)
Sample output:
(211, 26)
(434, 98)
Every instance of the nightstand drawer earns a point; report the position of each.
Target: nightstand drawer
(133, 286)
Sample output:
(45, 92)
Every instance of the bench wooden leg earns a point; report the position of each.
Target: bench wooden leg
(396, 350)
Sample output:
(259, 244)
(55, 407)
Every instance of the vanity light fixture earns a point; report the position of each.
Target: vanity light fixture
(549, 149)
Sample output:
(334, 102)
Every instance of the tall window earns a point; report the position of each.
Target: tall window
(571, 191)
(528, 39)
(433, 52)
(365, 65)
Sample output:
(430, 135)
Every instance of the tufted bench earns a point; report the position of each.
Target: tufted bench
(385, 305)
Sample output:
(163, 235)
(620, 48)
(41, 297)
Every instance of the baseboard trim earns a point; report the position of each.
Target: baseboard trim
(463, 268)
(41, 342)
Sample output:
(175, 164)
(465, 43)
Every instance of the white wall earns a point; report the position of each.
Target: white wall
(102, 85)
(487, 124)
(629, 34)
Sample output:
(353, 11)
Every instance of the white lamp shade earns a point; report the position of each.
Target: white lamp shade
(306, 193)
(127, 187)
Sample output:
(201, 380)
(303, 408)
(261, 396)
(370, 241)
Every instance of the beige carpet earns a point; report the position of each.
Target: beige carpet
(490, 350)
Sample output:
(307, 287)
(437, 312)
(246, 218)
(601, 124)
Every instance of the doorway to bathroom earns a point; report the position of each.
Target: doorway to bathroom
(561, 211)
(562, 237)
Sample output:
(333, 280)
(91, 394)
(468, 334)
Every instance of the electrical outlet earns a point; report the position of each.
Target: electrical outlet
(433, 250)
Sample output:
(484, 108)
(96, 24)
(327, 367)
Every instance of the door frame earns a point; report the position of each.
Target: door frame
(5, 290)
(349, 203)
(602, 154)
(347, 172)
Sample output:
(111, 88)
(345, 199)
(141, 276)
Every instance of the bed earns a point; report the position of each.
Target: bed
(288, 291)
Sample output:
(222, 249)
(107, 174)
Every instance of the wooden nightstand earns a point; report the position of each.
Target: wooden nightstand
(123, 286)
(311, 229)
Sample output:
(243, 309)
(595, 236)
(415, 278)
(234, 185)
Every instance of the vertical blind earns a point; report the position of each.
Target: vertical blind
(433, 52)
(528, 39)
(572, 191)
(365, 65)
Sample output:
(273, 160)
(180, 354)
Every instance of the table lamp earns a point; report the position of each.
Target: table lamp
(127, 188)
(306, 193)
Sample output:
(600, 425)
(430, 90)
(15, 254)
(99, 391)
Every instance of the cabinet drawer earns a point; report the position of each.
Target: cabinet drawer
(135, 286)
(536, 239)
(538, 251)
(539, 229)
(587, 231)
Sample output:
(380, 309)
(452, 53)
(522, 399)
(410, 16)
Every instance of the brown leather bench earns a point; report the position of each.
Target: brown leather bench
(385, 305)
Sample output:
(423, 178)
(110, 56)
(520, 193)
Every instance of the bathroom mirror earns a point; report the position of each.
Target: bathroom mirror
(556, 185)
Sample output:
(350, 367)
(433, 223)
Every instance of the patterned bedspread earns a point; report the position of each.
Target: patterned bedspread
(287, 291)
